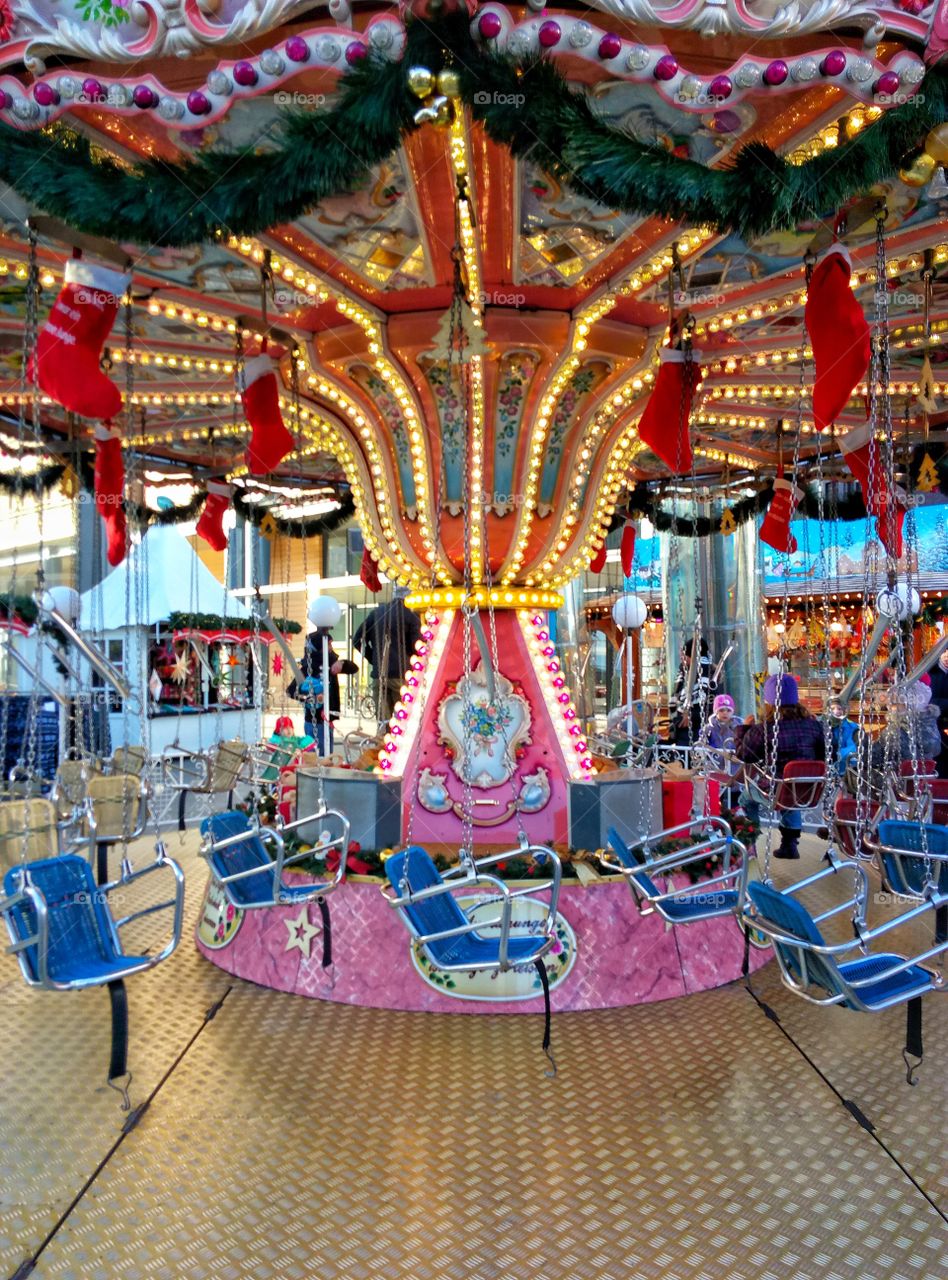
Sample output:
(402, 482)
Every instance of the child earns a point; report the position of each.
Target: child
(720, 733)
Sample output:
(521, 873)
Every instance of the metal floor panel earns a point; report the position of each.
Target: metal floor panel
(297, 1140)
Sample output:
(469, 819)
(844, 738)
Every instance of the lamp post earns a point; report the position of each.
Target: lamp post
(629, 613)
(325, 612)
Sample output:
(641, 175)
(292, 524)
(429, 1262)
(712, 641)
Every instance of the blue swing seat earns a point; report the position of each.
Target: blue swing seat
(869, 983)
(61, 929)
(411, 872)
(901, 847)
(244, 870)
(683, 907)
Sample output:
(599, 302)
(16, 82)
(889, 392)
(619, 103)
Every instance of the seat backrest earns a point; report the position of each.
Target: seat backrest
(129, 760)
(801, 785)
(243, 856)
(791, 917)
(911, 839)
(80, 928)
(226, 764)
(412, 869)
(924, 768)
(27, 830)
(645, 884)
(115, 802)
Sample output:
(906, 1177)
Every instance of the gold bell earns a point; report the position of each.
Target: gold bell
(936, 144)
(919, 172)
(449, 83)
(437, 111)
(420, 81)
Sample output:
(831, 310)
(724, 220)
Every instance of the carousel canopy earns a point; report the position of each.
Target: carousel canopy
(160, 576)
(578, 173)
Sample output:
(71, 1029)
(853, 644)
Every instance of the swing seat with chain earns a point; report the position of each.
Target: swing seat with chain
(709, 838)
(817, 971)
(239, 857)
(800, 786)
(846, 823)
(203, 773)
(904, 848)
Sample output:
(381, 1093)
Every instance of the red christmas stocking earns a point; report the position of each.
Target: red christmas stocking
(665, 422)
(210, 527)
(598, 562)
(775, 527)
(369, 573)
(109, 484)
(69, 345)
(838, 333)
(270, 441)
(862, 456)
(627, 548)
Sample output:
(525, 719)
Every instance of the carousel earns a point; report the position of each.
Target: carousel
(509, 287)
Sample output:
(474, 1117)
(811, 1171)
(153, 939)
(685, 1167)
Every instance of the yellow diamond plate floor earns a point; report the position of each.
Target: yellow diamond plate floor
(690, 1140)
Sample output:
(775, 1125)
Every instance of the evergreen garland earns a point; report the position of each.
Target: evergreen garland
(528, 107)
(183, 620)
(255, 513)
(642, 503)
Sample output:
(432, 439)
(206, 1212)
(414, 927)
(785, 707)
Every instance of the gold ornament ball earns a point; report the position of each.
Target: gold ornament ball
(449, 83)
(936, 144)
(420, 81)
(919, 171)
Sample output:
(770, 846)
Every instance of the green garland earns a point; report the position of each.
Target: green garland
(255, 514)
(642, 503)
(182, 620)
(527, 107)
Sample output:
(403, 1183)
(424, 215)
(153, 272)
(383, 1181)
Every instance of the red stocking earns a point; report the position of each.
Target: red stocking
(598, 562)
(270, 441)
(838, 333)
(210, 527)
(775, 528)
(862, 456)
(665, 422)
(109, 484)
(69, 345)
(627, 548)
(369, 573)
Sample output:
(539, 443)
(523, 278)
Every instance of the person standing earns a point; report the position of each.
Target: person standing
(940, 702)
(311, 693)
(386, 639)
(799, 736)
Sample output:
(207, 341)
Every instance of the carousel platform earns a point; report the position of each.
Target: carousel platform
(606, 954)
(288, 1139)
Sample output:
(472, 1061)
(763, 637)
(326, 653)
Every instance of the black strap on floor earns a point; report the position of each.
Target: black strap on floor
(327, 932)
(545, 984)
(913, 1038)
(182, 805)
(941, 925)
(118, 1064)
(101, 862)
(745, 963)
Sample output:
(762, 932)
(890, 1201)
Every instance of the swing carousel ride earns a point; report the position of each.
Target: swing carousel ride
(498, 282)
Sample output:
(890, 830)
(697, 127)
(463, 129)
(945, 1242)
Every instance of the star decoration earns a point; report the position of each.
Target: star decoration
(179, 672)
(301, 932)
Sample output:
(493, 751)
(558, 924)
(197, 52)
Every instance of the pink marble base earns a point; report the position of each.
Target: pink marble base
(622, 958)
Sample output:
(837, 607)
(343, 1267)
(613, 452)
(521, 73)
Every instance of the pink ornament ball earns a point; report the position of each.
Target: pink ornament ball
(666, 68)
(776, 73)
(721, 87)
(610, 46)
(245, 74)
(489, 25)
(45, 95)
(198, 103)
(834, 64)
(549, 34)
(888, 83)
(297, 50)
(93, 90)
(144, 97)
(355, 52)
(6, 102)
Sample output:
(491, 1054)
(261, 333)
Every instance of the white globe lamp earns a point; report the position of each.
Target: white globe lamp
(629, 612)
(898, 602)
(324, 611)
(65, 600)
